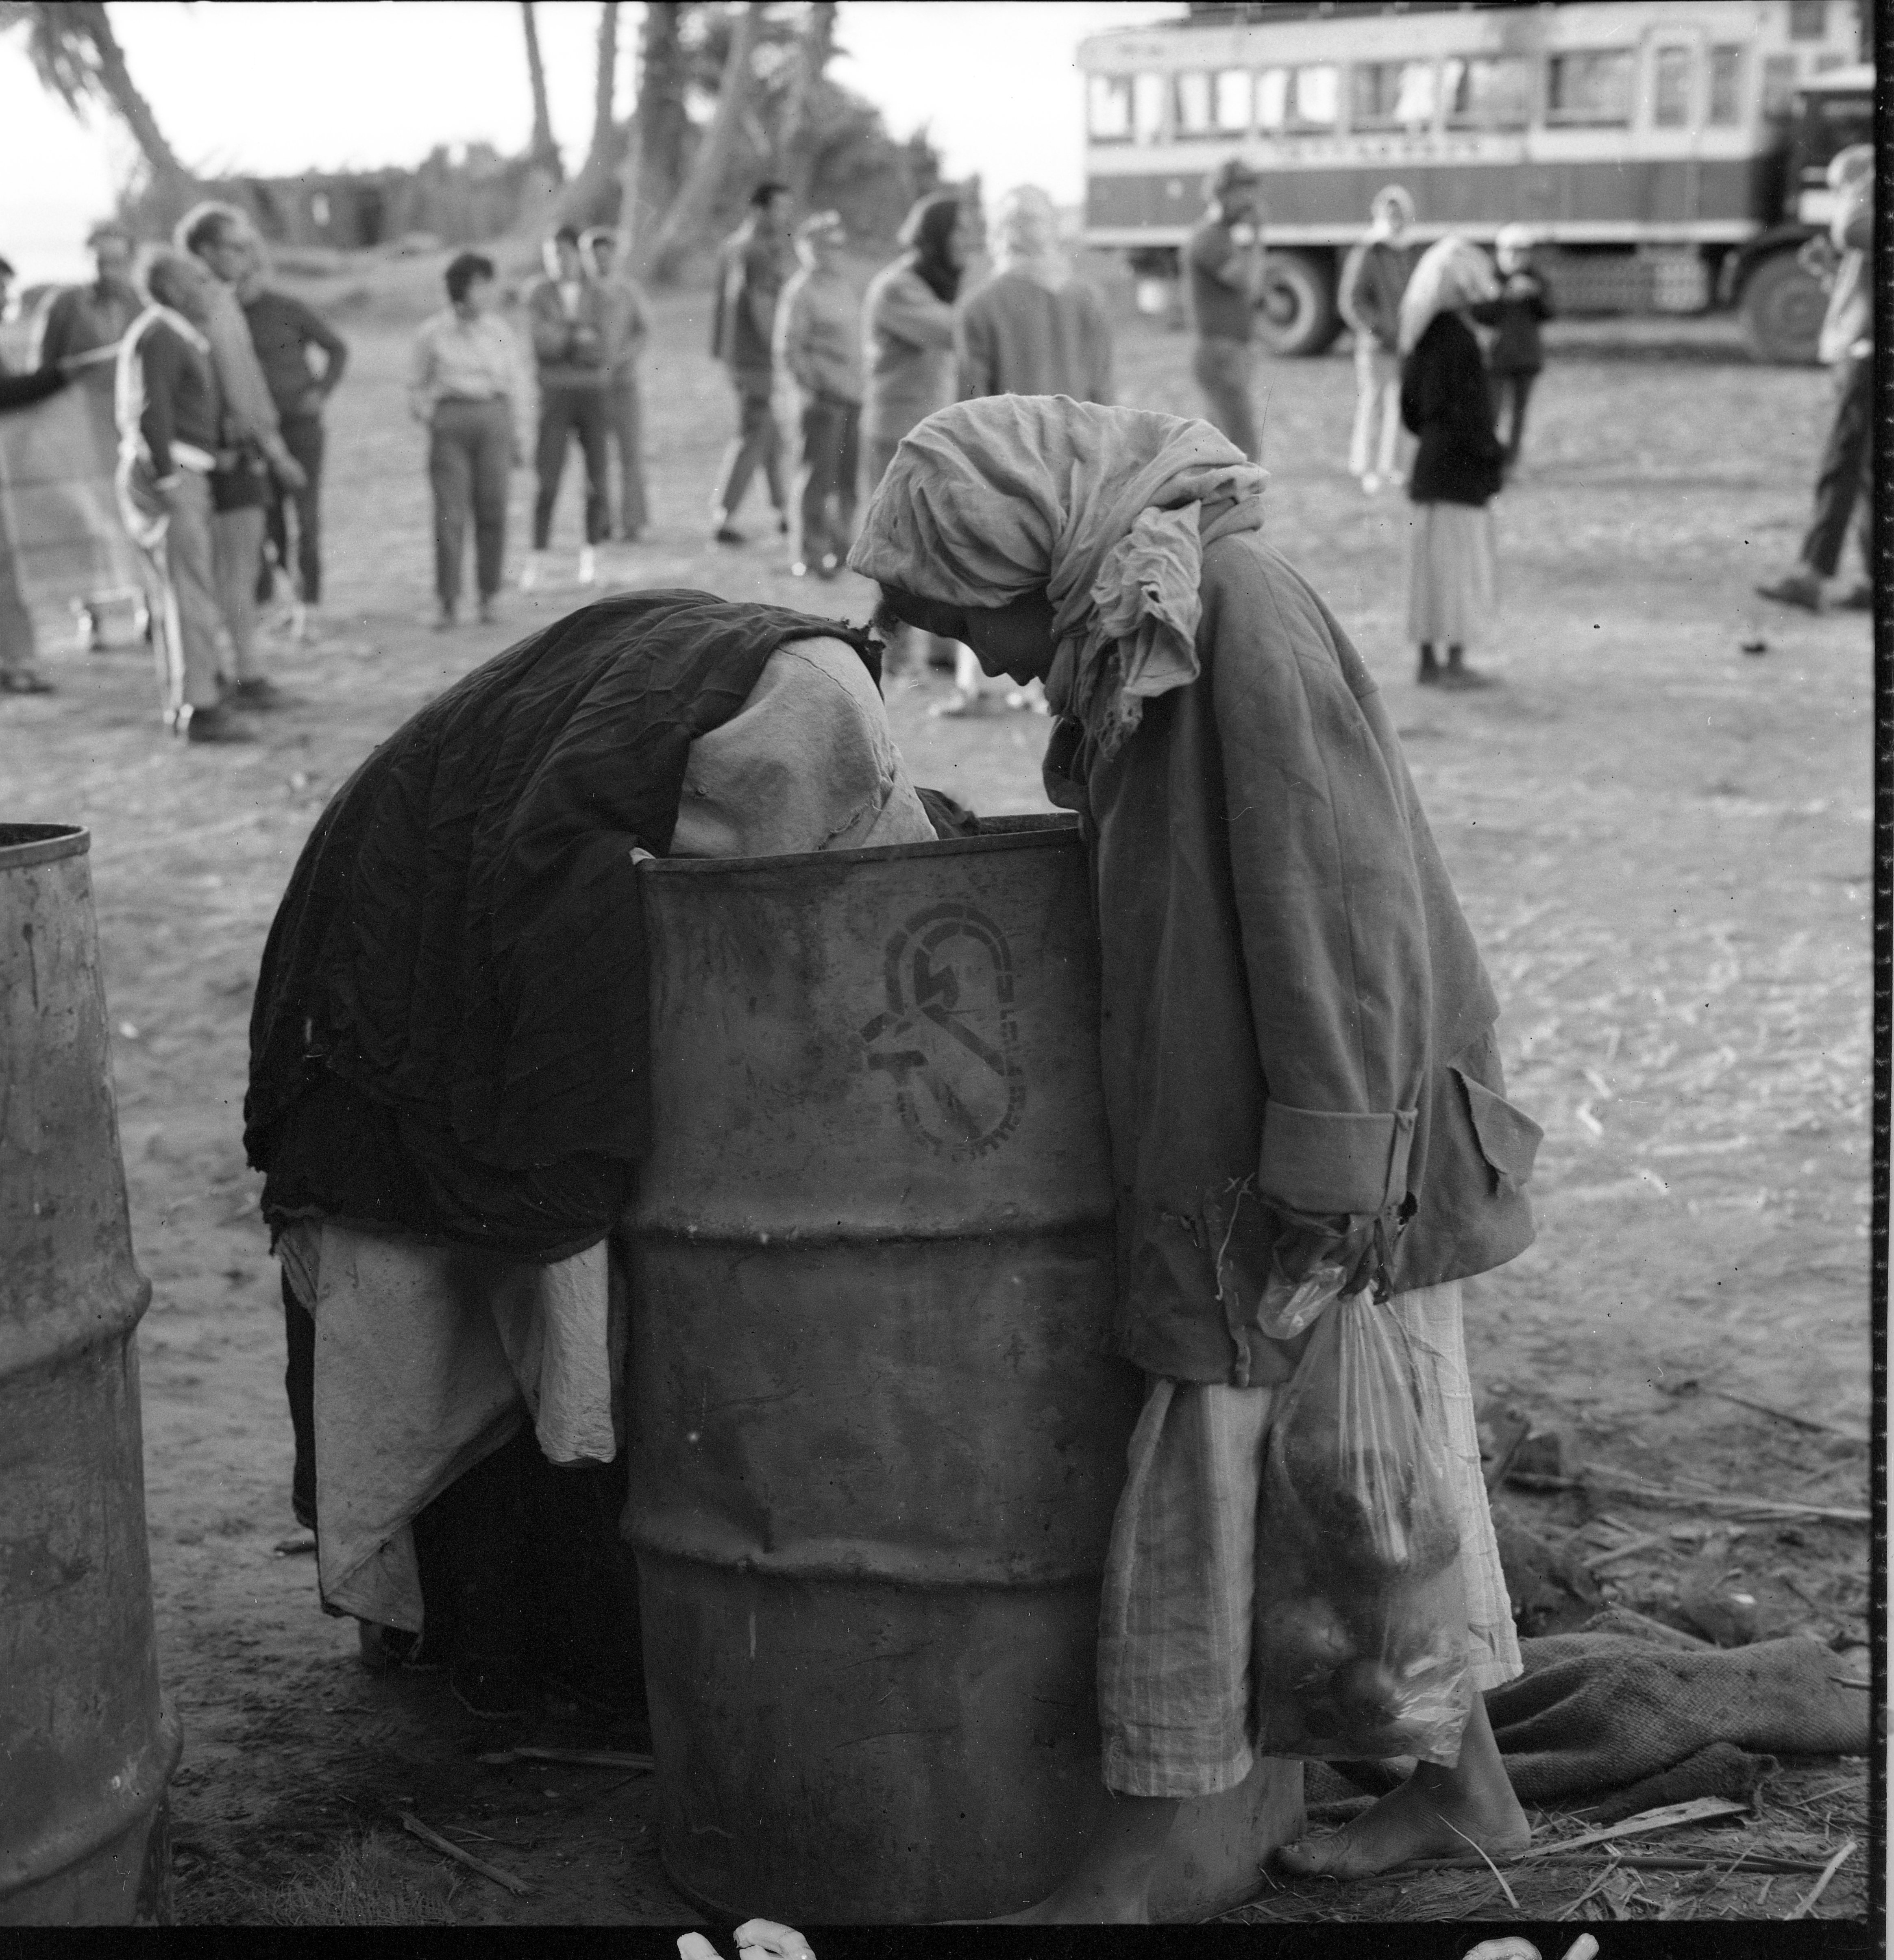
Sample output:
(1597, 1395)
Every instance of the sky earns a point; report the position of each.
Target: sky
(273, 86)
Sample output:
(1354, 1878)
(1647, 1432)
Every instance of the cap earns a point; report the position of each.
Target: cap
(1232, 175)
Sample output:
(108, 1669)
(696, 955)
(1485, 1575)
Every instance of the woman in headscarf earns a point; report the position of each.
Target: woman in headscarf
(907, 326)
(1034, 328)
(1297, 1040)
(1459, 465)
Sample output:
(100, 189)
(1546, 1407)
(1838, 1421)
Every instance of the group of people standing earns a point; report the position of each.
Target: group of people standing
(866, 369)
(219, 381)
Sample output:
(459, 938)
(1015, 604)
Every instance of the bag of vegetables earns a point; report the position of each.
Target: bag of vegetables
(1361, 1633)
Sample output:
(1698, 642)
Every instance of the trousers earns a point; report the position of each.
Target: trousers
(186, 610)
(236, 538)
(624, 418)
(1377, 393)
(1510, 393)
(304, 438)
(757, 445)
(1845, 480)
(1223, 367)
(564, 412)
(469, 459)
(826, 479)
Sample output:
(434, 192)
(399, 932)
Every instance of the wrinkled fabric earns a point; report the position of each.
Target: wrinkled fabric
(450, 1023)
(1106, 511)
(1453, 272)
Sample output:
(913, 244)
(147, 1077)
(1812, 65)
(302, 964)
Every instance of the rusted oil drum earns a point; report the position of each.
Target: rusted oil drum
(876, 1442)
(86, 1747)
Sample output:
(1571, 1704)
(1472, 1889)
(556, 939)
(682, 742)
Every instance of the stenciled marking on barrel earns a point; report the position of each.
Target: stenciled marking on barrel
(950, 968)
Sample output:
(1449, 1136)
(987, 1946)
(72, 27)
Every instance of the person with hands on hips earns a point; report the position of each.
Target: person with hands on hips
(1297, 1040)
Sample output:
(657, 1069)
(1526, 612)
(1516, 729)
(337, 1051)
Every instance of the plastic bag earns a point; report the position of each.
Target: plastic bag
(1361, 1630)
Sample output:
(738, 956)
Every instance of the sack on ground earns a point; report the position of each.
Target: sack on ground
(1361, 1633)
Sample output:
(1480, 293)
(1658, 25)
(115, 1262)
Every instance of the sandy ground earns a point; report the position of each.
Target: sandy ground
(1663, 847)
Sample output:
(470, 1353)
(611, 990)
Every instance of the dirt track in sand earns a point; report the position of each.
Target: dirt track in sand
(1663, 845)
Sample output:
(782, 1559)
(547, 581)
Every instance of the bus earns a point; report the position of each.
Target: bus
(1669, 155)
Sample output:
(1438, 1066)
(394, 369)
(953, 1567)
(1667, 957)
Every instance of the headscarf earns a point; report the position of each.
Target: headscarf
(1025, 237)
(1453, 272)
(925, 231)
(1378, 225)
(1105, 509)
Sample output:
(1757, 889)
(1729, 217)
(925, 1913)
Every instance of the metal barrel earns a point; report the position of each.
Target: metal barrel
(87, 1747)
(876, 1439)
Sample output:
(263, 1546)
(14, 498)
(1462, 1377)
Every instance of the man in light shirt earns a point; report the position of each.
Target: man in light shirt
(566, 314)
(818, 346)
(251, 447)
(1225, 259)
(626, 328)
(467, 382)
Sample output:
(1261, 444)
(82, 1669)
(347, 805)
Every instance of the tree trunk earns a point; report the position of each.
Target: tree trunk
(797, 156)
(542, 151)
(692, 205)
(580, 202)
(168, 172)
(654, 157)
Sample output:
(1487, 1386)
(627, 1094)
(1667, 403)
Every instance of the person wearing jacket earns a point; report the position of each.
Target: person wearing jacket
(251, 449)
(170, 421)
(818, 346)
(567, 318)
(907, 327)
(1458, 466)
(1845, 480)
(742, 335)
(1517, 355)
(1373, 280)
(1225, 259)
(19, 673)
(1296, 1037)
(627, 327)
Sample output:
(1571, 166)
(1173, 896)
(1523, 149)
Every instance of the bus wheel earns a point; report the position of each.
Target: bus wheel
(1297, 314)
(1782, 310)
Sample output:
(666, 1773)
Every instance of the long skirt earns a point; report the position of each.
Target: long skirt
(1452, 586)
(1177, 1624)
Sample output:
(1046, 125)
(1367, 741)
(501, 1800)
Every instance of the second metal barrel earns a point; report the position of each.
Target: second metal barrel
(876, 1442)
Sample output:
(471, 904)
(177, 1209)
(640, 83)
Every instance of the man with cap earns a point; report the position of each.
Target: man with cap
(1225, 259)
(818, 346)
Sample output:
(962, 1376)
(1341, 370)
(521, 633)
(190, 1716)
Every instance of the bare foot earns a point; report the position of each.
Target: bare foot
(1112, 1885)
(1412, 1822)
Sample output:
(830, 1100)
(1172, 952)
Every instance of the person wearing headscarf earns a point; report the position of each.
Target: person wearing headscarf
(907, 328)
(1033, 328)
(1459, 466)
(1296, 1035)
(1518, 353)
(1225, 260)
(1374, 278)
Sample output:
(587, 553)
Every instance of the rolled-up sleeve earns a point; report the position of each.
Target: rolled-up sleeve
(1330, 907)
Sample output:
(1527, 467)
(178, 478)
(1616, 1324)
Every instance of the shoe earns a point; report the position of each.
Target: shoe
(727, 534)
(831, 564)
(533, 571)
(495, 1689)
(445, 620)
(261, 696)
(1859, 599)
(588, 565)
(1799, 588)
(1371, 483)
(798, 569)
(23, 680)
(1427, 677)
(210, 724)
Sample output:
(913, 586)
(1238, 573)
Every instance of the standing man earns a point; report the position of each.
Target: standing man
(1225, 256)
(1844, 484)
(818, 345)
(750, 271)
(1518, 353)
(566, 313)
(19, 650)
(467, 383)
(1374, 278)
(286, 332)
(250, 443)
(627, 327)
(87, 319)
(167, 416)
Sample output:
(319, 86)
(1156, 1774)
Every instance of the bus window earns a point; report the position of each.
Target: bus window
(1192, 107)
(1147, 108)
(1671, 89)
(1108, 109)
(1808, 19)
(1393, 95)
(1316, 97)
(1272, 98)
(1236, 97)
(1725, 87)
(1592, 87)
(1489, 93)
(1778, 84)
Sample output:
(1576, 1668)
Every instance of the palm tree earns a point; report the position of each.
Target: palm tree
(77, 56)
(654, 157)
(544, 151)
(692, 206)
